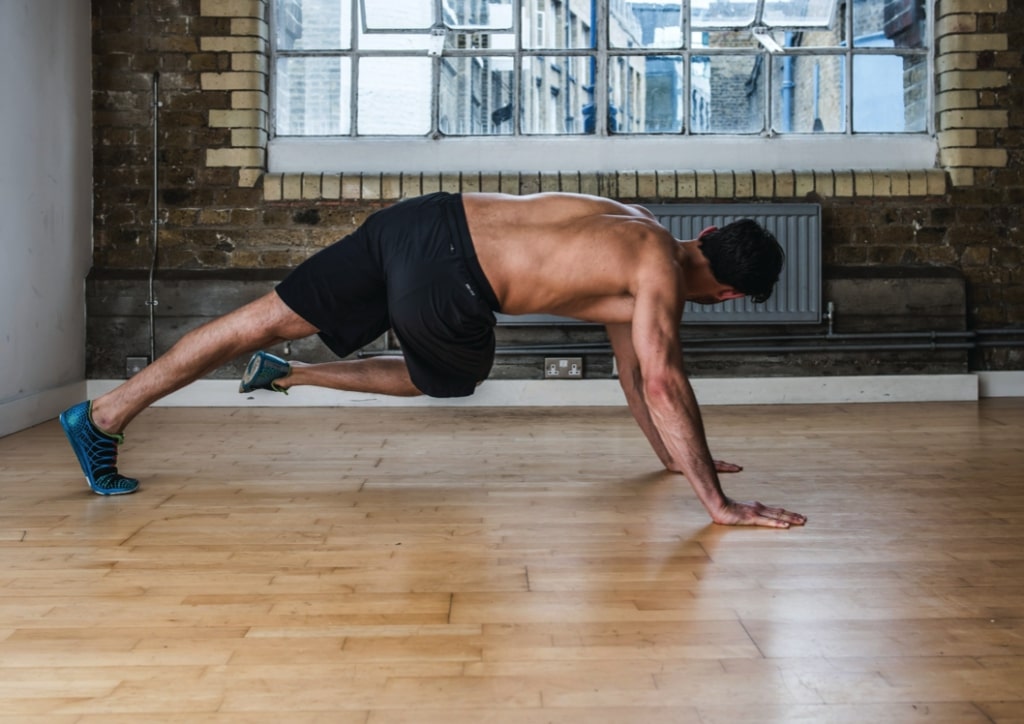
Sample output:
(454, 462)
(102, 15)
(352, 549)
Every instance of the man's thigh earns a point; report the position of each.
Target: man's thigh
(270, 317)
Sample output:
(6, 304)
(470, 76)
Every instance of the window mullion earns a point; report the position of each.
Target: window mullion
(759, 14)
(929, 38)
(272, 79)
(848, 70)
(435, 71)
(687, 69)
(353, 69)
(599, 57)
(517, 68)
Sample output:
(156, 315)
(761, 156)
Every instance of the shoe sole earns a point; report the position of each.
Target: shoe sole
(250, 371)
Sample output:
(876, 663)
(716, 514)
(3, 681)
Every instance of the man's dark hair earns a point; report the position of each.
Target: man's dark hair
(745, 256)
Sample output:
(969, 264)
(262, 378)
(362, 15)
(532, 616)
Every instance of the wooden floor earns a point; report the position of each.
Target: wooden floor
(473, 566)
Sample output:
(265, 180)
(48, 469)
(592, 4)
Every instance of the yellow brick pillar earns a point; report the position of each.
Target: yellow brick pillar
(967, 82)
(246, 83)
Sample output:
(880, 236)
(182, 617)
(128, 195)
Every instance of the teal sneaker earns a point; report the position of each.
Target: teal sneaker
(262, 372)
(96, 452)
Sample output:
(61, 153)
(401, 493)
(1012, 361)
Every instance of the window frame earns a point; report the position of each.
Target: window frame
(602, 150)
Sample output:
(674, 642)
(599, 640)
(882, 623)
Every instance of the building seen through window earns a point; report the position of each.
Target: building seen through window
(464, 68)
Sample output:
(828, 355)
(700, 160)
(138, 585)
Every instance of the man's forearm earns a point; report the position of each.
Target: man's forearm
(633, 388)
(620, 335)
(676, 417)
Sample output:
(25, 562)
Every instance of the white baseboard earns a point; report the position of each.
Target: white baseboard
(1001, 384)
(24, 412)
(553, 393)
(815, 390)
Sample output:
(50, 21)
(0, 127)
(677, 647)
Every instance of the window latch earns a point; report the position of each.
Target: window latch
(761, 34)
(435, 46)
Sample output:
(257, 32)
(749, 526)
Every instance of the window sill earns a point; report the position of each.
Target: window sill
(602, 155)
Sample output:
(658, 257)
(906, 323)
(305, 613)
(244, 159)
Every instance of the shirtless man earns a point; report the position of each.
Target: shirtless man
(435, 269)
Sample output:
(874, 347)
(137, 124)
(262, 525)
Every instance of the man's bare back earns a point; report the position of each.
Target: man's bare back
(566, 254)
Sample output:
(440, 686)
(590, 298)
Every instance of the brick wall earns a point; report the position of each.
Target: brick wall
(220, 212)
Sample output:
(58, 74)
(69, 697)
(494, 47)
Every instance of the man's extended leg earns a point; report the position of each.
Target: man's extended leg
(261, 323)
(93, 429)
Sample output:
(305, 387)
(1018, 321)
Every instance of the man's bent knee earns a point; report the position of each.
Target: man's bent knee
(280, 320)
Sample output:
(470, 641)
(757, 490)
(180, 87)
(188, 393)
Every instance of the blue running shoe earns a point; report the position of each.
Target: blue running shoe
(262, 372)
(96, 452)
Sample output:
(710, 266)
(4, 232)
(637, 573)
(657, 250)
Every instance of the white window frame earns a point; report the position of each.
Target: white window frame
(604, 153)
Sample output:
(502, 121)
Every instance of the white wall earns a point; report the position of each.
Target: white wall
(45, 206)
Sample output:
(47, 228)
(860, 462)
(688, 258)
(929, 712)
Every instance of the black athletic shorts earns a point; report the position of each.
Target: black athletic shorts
(411, 268)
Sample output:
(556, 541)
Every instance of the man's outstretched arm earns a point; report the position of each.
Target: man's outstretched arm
(673, 408)
(621, 338)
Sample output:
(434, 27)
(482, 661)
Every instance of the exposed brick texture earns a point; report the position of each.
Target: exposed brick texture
(220, 210)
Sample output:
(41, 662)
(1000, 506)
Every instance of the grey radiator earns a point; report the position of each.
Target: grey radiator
(797, 297)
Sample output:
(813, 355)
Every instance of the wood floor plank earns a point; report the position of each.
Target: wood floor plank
(391, 566)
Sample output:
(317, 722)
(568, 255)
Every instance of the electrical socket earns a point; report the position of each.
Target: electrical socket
(134, 365)
(563, 368)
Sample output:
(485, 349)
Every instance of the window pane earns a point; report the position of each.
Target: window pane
(394, 96)
(893, 24)
(647, 94)
(415, 16)
(478, 14)
(391, 15)
(555, 96)
(558, 24)
(476, 96)
(646, 25)
(833, 37)
(394, 41)
(313, 24)
(889, 94)
(312, 96)
(700, 95)
(799, 13)
(728, 92)
(915, 94)
(724, 39)
(809, 98)
(722, 13)
(479, 40)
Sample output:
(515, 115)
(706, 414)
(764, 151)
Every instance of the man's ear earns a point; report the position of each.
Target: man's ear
(708, 230)
(729, 293)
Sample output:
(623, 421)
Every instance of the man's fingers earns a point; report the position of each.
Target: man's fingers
(757, 514)
(790, 517)
(723, 467)
(783, 515)
(775, 517)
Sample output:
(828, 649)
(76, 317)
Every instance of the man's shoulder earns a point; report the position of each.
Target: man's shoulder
(642, 211)
(650, 236)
